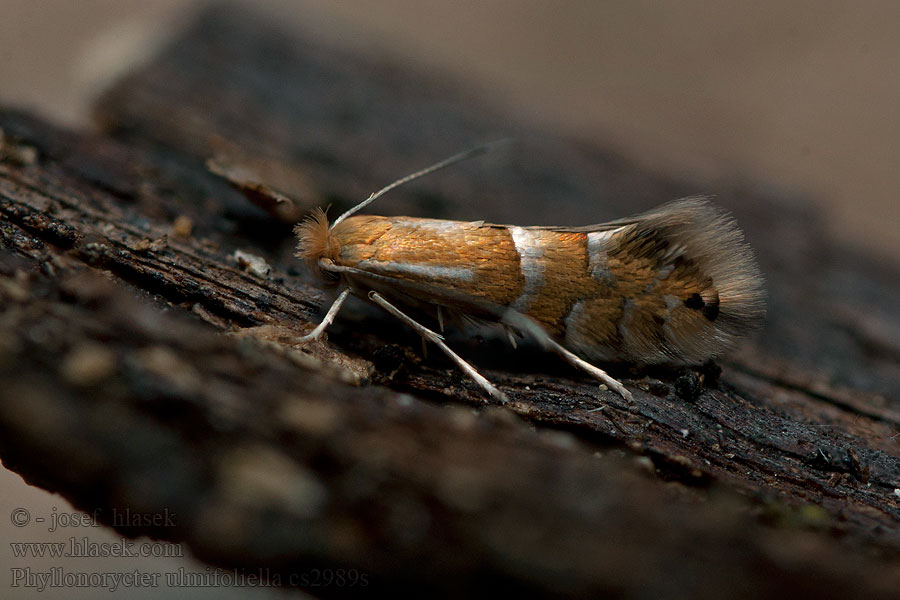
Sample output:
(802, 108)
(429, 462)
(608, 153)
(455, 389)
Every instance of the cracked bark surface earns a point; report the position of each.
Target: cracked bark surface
(142, 366)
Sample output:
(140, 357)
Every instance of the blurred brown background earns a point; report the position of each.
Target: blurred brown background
(802, 95)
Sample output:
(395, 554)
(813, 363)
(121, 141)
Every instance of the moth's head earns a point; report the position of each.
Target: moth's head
(315, 242)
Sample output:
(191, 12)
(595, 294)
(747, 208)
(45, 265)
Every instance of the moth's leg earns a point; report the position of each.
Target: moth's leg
(439, 341)
(328, 320)
(527, 325)
(597, 372)
(511, 336)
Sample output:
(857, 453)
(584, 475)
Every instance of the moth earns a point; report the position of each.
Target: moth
(676, 284)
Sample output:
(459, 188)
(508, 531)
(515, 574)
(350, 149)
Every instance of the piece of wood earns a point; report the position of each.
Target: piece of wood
(143, 366)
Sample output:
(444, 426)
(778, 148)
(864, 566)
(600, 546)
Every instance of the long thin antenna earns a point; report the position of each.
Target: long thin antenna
(476, 151)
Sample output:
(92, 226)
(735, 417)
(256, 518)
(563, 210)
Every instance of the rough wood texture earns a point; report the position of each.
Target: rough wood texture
(142, 366)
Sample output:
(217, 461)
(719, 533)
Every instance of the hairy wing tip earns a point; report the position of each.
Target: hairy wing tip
(709, 235)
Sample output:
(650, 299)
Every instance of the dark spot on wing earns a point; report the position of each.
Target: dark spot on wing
(695, 302)
(711, 310)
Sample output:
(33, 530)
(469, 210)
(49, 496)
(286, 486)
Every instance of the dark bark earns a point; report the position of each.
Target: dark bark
(120, 387)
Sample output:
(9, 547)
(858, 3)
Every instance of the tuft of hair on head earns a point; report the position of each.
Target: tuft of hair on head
(313, 238)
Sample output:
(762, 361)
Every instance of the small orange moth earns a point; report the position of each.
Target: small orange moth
(676, 284)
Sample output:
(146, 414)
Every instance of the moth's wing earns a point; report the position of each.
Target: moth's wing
(424, 296)
(671, 210)
(420, 294)
(689, 284)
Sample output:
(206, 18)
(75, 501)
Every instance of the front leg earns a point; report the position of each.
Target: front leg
(316, 333)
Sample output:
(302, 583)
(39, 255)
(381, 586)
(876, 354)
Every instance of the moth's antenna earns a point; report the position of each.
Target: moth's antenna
(476, 151)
